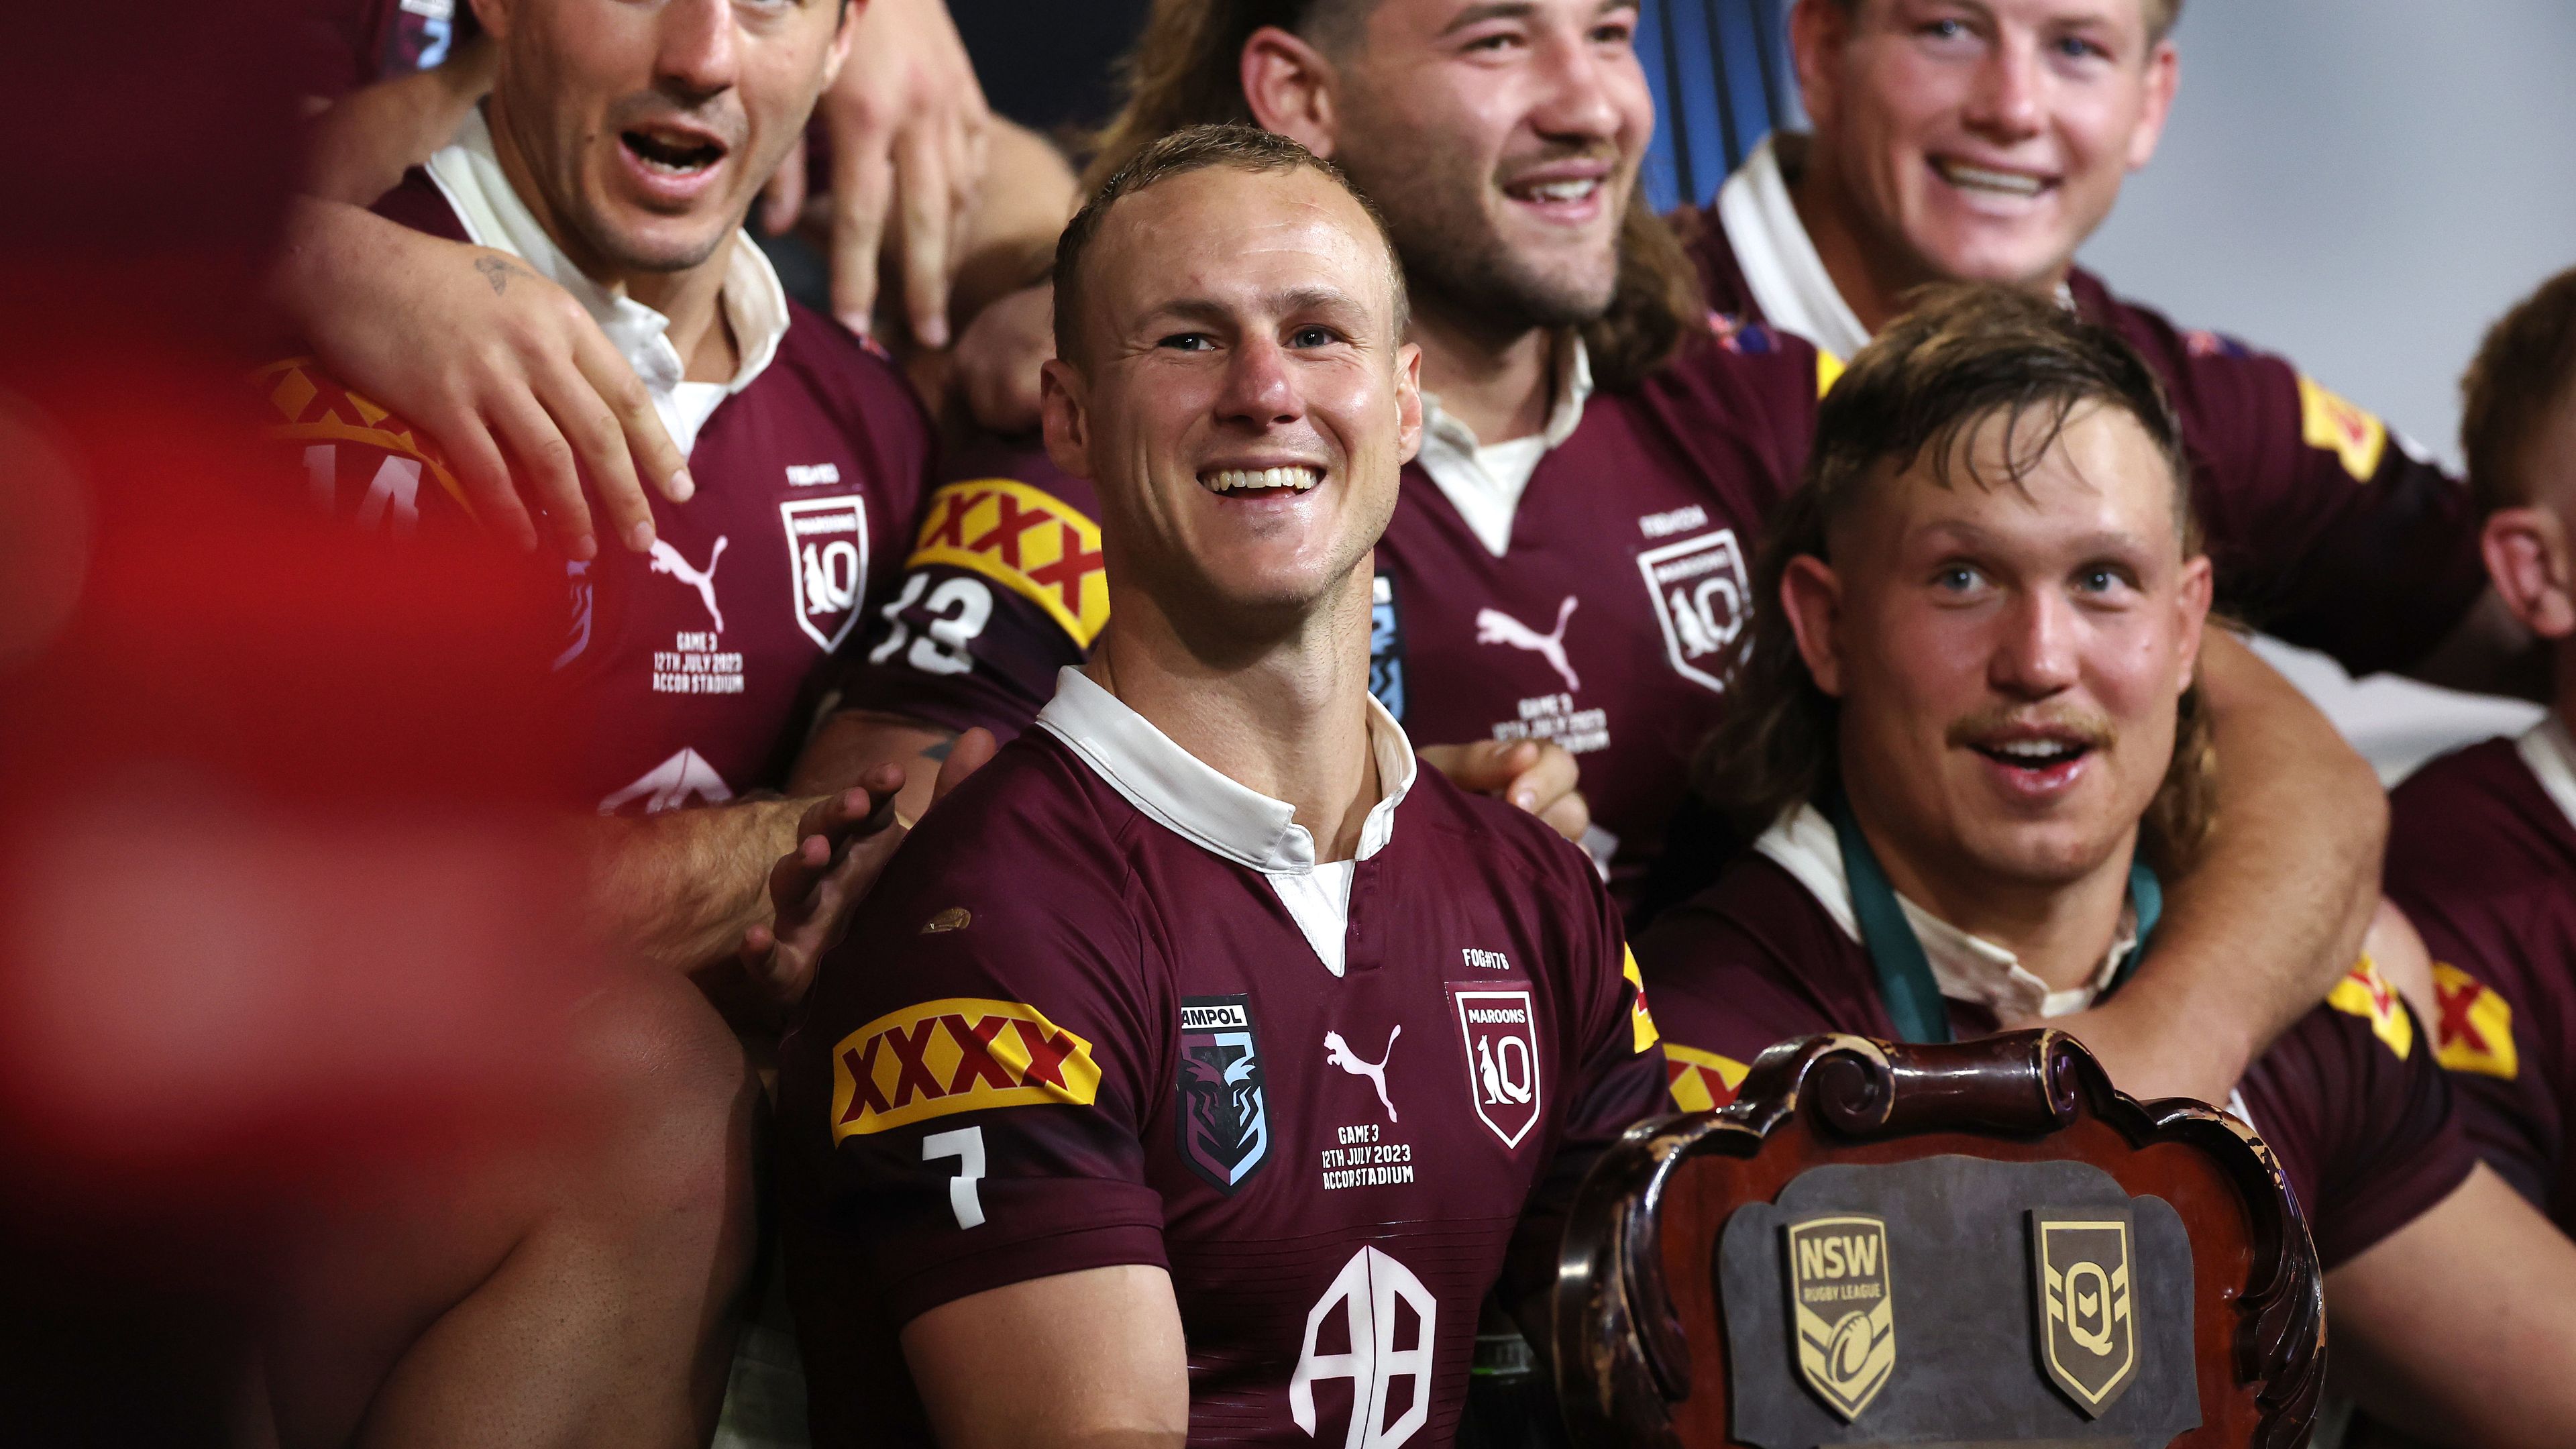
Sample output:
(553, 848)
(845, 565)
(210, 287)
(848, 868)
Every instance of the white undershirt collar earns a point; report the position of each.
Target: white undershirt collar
(1484, 481)
(1192, 799)
(1966, 968)
(2550, 751)
(468, 173)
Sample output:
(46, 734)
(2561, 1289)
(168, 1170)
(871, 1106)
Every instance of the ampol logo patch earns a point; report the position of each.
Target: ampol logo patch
(827, 557)
(1698, 586)
(1224, 1116)
(959, 1054)
(1499, 1030)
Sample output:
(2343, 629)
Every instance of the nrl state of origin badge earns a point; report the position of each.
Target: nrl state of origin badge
(1843, 1304)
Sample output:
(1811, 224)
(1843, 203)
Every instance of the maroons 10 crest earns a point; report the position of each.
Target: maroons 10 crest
(1699, 590)
(1224, 1116)
(1499, 1030)
(827, 562)
(2087, 1312)
(1844, 1305)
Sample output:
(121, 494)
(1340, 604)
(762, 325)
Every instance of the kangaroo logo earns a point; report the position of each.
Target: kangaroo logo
(667, 560)
(1338, 1052)
(1493, 626)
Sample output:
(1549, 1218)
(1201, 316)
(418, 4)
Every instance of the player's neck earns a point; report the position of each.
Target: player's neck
(2059, 932)
(1286, 716)
(692, 297)
(1500, 384)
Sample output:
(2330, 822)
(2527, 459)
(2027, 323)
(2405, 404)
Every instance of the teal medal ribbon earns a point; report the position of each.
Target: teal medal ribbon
(1904, 974)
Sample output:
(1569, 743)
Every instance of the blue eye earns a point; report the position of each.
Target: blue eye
(1312, 337)
(1957, 578)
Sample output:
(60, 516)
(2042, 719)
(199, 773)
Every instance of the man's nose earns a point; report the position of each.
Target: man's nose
(698, 47)
(1259, 388)
(2004, 103)
(1575, 91)
(2036, 651)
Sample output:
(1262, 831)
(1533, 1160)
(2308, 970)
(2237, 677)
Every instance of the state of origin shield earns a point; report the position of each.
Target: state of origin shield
(1224, 1119)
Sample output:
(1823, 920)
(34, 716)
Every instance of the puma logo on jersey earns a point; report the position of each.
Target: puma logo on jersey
(668, 560)
(1493, 626)
(675, 782)
(1338, 1053)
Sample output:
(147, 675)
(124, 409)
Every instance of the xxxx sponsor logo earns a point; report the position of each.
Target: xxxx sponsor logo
(2352, 435)
(1641, 1022)
(2363, 992)
(2475, 1033)
(962, 1054)
(308, 406)
(1025, 539)
(1700, 1081)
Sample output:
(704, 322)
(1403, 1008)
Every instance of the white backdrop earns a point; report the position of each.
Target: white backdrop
(2363, 185)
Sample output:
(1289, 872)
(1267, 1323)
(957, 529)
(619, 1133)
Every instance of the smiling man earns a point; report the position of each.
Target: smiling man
(1966, 709)
(1200, 1049)
(1985, 140)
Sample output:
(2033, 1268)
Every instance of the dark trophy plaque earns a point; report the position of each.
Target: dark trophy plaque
(1909, 1304)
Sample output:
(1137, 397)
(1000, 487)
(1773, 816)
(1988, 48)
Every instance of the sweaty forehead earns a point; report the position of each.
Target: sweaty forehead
(1236, 238)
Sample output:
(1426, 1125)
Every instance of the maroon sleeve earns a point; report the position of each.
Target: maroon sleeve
(2369, 1134)
(973, 1075)
(1618, 1077)
(1003, 587)
(1751, 961)
(2326, 528)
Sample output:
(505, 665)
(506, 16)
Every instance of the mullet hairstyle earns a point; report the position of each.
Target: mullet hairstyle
(1196, 148)
(1922, 388)
(1187, 70)
(2524, 372)
(2161, 17)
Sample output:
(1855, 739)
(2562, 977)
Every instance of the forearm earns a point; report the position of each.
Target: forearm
(1029, 193)
(328, 251)
(678, 889)
(360, 147)
(853, 740)
(2274, 908)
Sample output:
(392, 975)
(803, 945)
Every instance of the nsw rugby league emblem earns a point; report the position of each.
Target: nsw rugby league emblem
(827, 562)
(2087, 1310)
(1224, 1114)
(1843, 1303)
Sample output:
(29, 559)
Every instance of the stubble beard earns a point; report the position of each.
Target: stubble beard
(1456, 264)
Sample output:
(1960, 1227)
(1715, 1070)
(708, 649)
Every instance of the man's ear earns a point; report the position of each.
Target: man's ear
(1290, 88)
(2199, 587)
(2532, 562)
(1064, 405)
(1813, 595)
(841, 32)
(494, 17)
(1408, 402)
(2164, 78)
(1818, 31)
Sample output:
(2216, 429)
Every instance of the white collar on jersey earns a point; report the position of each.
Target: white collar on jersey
(1192, 799)
(1778, 258)
(1484, 481)
(1966, 968)
(2550, 751)
(469, 175)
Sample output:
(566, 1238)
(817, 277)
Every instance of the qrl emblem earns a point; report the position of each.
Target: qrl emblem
(2087, 1311)
(1844, 1305)
(827, 560)
(1699, 590)
(1499, 1030)
(1224, 1119)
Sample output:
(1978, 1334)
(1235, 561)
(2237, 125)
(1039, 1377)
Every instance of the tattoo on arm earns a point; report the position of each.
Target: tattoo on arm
(940, 750)
(499, 272)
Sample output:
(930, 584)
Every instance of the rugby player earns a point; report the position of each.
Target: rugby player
(1985, 140)
(2482, 844)
(1567, 560)
(1967, 706)
(1200, 1049)
(591, 1299)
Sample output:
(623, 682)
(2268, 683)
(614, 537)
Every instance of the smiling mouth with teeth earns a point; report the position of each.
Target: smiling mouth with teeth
(1556, 191)
(676, 158)
(2034, 754)
(1293, 479)
(1979, 178)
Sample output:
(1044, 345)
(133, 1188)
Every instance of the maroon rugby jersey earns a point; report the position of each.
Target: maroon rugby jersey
(2348, 1099)
(2326, 531)
(2483, 859)
(1601, 626)
(1079, 1024)
(681, 668)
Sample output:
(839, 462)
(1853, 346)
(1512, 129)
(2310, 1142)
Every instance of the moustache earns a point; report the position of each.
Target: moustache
(2084, 727)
